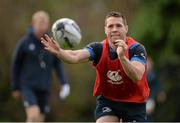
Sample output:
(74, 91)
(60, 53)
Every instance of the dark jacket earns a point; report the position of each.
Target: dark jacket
(32, 65)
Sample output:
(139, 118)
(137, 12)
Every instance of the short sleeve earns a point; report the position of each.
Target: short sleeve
(95, 50)
(137, 52)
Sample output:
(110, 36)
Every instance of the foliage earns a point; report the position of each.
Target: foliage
(155, 23)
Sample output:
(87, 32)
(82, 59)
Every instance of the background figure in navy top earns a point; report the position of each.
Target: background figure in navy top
(31, 70)
(154, 87)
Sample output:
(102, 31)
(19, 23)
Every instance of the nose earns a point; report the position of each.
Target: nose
(114, 28)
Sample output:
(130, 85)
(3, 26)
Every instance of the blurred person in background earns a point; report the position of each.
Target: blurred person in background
(153, 85)
(157, 95)
(121, 88)
(32, 70)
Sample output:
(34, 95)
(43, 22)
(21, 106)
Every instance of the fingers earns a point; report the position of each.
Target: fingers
(119, 40)
(50, 44)
(46, 48)
(47, 38)
(52, 40)
(44, 42)
(55, 42)
(120, 43)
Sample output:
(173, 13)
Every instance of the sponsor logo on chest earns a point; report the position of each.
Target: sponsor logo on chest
(114, 77)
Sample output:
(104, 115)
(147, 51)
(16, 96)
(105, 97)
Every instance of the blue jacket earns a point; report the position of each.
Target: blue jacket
(32, 65)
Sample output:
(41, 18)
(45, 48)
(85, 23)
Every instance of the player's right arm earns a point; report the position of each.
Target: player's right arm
(69, 56)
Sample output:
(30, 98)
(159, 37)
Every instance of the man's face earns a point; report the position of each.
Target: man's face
(40, 25)
(115, 29)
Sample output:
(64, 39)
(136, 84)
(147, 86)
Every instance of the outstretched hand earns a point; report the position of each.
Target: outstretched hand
(50, 44)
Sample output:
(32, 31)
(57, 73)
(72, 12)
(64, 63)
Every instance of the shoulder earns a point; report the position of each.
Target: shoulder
(138, 52)
(24, 42)
(137, 47)
(25, 39)
(95, 50)
(94, 45)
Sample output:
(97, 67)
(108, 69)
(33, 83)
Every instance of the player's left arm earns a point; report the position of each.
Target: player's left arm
(135, 66)
(60, 71)
(64, 84)
(68, 56)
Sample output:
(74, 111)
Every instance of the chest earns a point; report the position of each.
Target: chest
(33, 51)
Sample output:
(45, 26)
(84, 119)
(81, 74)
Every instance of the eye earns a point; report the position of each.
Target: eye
(118, 25)
(110, 26)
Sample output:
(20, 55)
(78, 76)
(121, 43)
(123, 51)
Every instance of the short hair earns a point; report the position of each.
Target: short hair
(116, 14)
(41, 14)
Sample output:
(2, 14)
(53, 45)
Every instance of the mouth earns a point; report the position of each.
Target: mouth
(115, 36)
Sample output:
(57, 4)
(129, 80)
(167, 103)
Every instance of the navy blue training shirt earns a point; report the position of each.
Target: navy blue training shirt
(137, 52)
(32, 65)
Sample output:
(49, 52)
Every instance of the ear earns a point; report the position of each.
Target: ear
(105, 30)
(126, 29)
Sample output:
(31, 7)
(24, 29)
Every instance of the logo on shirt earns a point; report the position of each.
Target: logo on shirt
(114, 77)
(140, 55)
(106, 109)
(32, 47)
(26, 103)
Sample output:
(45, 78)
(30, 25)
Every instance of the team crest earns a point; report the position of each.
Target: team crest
(114, 77)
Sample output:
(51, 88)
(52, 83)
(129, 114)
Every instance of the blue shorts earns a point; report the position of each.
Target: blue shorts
(35, 97)
(128, 112)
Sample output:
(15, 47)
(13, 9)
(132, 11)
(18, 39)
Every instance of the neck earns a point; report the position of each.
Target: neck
(112, 46)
